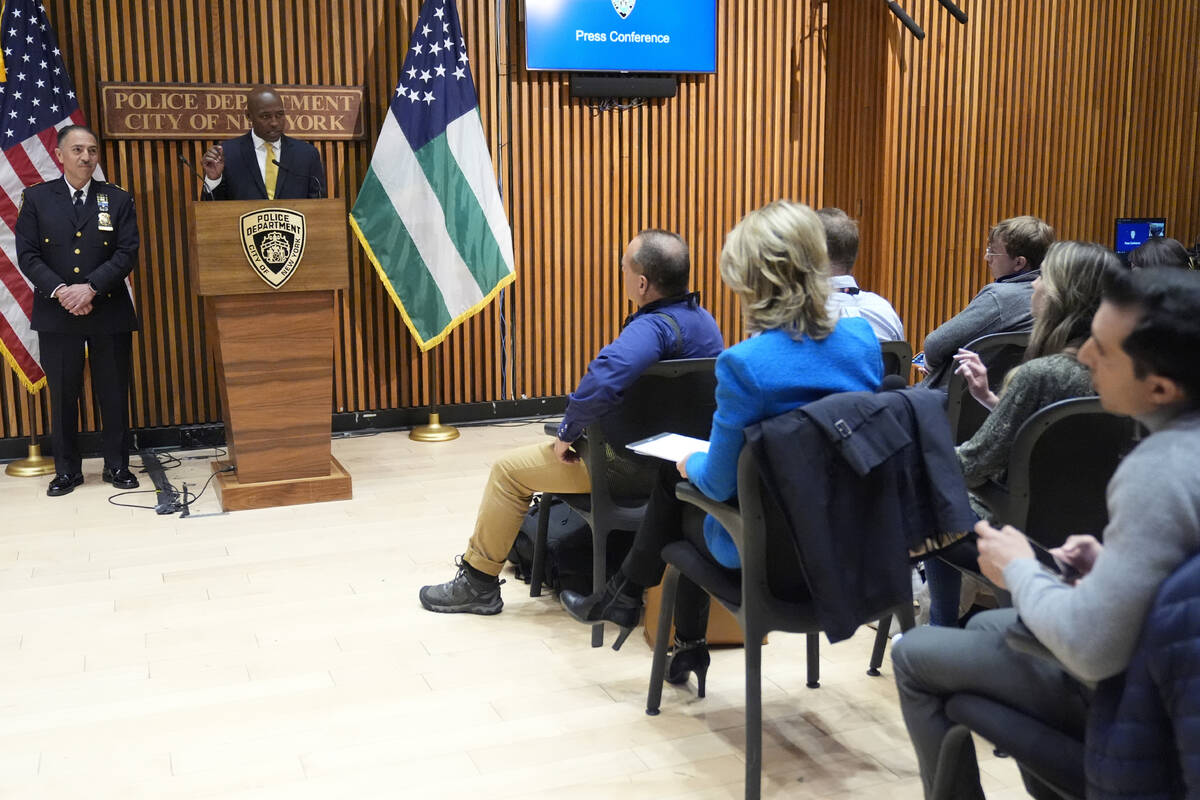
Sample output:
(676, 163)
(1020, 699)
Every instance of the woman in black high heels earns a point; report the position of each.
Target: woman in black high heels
(775, 261)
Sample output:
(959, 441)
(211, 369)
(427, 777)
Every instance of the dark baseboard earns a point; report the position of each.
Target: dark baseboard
(212, 434)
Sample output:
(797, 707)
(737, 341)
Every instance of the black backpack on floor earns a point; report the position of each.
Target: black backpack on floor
(568, 548)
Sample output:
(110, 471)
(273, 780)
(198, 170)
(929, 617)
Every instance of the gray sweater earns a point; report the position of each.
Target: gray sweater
(1154, 526)
(1003, 306)
(1032, 386)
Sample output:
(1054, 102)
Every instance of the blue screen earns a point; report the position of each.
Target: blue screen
(1133, 233)
(621, 35)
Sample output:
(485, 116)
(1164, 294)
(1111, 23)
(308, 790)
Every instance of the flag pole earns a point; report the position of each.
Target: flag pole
(435, 431)
(35, 463)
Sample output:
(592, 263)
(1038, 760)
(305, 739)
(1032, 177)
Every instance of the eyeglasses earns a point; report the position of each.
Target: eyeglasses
(989, 253)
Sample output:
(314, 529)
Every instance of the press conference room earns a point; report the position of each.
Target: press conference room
(599, 398)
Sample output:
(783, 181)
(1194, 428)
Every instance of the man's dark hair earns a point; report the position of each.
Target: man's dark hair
(663, 259)
(1160, 251)
(1166, 339)
(67, 130)
(841, 239)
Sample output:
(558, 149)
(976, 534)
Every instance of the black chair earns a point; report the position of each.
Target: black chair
(1000, 352)
(769, 594)
(1050, 760)
(675, 396)
(897, 359)
(1058, 471)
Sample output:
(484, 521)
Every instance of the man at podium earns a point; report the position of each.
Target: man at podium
(263, 164)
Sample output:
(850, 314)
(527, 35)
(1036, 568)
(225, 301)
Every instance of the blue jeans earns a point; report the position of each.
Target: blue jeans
(945, 587)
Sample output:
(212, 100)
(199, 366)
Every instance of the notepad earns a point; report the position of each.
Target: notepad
(669, 446)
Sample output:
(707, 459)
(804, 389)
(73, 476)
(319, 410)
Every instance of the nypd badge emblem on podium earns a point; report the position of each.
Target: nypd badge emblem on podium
(273, 239)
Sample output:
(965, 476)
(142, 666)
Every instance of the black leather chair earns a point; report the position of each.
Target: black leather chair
(675, 396)
(769, 594)
(1051, 761)
(1058, 471)
(897, 359)
(1000, 352)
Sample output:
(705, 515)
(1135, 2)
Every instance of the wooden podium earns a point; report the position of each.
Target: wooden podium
(273, 344)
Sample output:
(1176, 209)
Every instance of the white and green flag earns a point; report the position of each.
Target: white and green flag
(429, 213)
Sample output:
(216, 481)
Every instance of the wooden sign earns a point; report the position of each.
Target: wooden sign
(218, 111)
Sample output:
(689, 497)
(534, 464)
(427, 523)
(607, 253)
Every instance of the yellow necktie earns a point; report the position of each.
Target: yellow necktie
(272, 173)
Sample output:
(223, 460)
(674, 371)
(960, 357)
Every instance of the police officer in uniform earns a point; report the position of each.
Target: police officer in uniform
(77, 240)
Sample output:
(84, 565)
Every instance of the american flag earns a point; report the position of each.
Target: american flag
(36, 99)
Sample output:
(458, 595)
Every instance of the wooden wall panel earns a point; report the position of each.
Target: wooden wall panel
(1077, 112)
(1069, 109)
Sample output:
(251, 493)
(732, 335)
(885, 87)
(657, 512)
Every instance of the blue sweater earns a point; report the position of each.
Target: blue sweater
(769, 375)
(645, 339)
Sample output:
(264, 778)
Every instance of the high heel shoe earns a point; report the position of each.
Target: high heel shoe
(689, 657)
(612, 605)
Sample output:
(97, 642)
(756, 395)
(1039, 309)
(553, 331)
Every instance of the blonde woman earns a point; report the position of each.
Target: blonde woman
(775, 262)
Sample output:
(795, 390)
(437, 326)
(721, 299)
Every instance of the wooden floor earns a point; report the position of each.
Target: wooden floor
(283, 654)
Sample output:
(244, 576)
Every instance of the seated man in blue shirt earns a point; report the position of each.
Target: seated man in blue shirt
(669, 323)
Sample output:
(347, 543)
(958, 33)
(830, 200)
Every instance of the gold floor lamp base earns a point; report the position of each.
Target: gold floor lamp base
(36, 464)
(435, 431)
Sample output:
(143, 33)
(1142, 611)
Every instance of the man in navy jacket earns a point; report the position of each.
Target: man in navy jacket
(77, 241)
(245, 168)
(669, 323)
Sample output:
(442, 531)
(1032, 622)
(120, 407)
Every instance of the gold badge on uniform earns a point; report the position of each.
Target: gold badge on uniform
(103, 219)
(273, 239)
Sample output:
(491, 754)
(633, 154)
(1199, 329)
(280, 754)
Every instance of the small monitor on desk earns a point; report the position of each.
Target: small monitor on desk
(1132, 233)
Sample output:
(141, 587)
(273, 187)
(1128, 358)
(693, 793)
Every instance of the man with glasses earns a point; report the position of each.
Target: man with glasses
(1014, 255)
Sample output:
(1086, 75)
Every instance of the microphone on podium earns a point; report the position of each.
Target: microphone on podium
(203, 184)
(311, 178)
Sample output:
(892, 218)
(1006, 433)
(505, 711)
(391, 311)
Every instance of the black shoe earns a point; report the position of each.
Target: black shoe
(64, 483)
(465, 594)
(689, 657)
(611, 605)
(120, 478)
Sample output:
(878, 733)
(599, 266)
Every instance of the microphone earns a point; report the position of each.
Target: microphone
(954, 10)
(913, 27)
(311, 178)
(203, 184)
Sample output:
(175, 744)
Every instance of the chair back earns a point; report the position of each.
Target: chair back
(897, 358)
(999, 352)
(771, 565)
(1059, 468)
(676, 396)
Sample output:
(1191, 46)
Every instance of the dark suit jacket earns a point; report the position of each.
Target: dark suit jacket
(54, 246)
(862, 478)
(300, 173)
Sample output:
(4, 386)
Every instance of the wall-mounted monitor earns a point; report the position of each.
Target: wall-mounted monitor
(1132, 232)
(621, 35)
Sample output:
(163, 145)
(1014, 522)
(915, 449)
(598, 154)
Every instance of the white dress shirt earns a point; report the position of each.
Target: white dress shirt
(874, 309)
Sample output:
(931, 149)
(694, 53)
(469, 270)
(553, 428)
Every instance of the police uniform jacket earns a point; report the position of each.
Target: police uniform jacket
(54, 246)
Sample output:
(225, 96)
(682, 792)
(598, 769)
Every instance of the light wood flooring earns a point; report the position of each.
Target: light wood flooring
(283, 654)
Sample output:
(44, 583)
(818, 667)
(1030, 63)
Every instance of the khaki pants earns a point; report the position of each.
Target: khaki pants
(514, 480)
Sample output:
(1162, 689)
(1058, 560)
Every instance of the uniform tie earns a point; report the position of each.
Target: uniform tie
(272, 172)
(78, 199)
